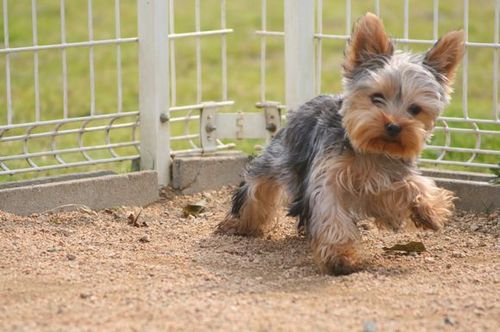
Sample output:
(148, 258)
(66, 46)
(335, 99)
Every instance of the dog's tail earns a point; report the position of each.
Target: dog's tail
(240, 196)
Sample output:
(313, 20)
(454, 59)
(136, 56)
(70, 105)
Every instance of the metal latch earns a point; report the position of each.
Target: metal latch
(208, 128)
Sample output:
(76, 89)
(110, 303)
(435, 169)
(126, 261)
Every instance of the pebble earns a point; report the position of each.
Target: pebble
(145, 239)
(70, 257)
(66, 232)
(429, 259)
(474, 227)
(369, 326)
(449, 321)
(457, 254)
(85, 295)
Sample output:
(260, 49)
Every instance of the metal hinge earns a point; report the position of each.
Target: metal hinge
(241, 125)
(272, 114)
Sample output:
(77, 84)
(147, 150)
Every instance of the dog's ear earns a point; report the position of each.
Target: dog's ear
(368, 40)
(446, 54)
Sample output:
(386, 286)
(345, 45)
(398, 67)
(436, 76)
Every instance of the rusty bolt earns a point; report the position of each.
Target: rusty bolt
(210, 128)
(164, 117)
(271, 127)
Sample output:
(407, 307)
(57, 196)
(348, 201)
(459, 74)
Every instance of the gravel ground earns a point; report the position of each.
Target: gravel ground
(103, 270)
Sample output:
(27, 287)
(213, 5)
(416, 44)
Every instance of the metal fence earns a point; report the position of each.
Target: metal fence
(56, 137)
(169, 127)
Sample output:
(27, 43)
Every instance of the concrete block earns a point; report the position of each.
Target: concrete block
(457, 175)
(472, 195)
(139, 188)
(52, 179)
(473, 190)
(197, 173)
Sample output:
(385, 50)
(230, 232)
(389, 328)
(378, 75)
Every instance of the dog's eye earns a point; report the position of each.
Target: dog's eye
(377, 99)
(414, 109)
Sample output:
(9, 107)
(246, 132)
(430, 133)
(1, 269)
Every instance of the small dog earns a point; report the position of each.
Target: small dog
(344, 158)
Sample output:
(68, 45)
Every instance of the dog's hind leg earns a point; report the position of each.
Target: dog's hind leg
(254, 207)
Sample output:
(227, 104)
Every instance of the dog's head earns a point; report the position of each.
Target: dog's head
(392, 99)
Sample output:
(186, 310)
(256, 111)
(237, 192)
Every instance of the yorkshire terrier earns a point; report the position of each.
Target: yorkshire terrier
(344, 158)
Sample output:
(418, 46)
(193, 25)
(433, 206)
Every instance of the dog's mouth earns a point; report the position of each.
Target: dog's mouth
(391, 146)
(390, 139)
(391, 143)
(386, 143)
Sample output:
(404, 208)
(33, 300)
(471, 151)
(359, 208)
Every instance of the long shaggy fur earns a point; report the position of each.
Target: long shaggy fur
(337, 161)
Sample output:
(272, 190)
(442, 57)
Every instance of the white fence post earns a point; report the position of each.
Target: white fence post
(299, 52)
(154, 87)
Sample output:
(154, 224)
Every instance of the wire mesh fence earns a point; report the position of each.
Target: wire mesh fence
(51, 118)
(185, 118)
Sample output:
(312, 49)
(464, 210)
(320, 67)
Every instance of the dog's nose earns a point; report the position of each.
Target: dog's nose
(392, 129)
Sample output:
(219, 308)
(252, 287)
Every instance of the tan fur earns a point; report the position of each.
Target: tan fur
(353, 187)
(365, 124)
(258, 213)
(433, 206)
(446, 54)
(368, 38)
(428, 119)
(335, 258)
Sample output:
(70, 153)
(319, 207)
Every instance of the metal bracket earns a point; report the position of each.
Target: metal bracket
(240, 125)
(272, 114)
(208, 128)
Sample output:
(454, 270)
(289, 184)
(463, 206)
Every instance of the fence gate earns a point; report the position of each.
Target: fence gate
(51, 119)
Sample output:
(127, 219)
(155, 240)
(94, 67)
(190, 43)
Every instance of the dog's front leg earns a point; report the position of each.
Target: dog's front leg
(334, 235)
(432, 206)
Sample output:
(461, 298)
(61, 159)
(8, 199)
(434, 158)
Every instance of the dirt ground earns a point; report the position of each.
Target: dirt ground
(85, 270)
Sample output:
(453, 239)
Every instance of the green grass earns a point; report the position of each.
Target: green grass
(243, 63)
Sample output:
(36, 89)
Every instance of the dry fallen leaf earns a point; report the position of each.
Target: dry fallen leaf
(412, 246)
(194, 209)
(133, 220)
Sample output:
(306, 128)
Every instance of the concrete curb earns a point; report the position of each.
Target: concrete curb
(192, 174)
(456, 175)
(139, 188)
(473, 190)
(472, 195)
(52, 179)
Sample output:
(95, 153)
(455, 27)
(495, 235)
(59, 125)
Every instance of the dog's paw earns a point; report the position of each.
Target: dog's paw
(433, 213)
(337, 259)
(340, 265)
(228, 226)
(424, 221)
(235, 226)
